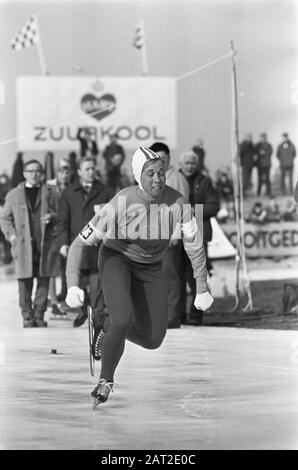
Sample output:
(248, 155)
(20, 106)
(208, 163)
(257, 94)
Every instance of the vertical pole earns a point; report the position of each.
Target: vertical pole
(145, 68)
(41, 55)
(238, 196)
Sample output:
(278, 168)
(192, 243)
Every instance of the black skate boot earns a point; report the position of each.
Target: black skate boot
(96, 347)
(101, 392)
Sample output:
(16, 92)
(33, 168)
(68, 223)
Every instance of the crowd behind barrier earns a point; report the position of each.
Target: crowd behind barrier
(191, 179)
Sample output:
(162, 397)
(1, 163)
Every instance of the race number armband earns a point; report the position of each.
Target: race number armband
(89, 235)
(189, 229)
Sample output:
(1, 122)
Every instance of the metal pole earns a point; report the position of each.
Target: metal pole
(41, 55)
(239, 209)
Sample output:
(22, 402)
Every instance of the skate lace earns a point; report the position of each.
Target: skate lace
(98, 343)
(105, 387)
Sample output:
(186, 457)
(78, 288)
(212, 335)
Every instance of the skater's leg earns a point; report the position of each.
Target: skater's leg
(96, 300)
(171, 264)
(115, 277)
(63, 292)
(149, 296)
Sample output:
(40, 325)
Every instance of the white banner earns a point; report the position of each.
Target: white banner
(268, 239)
(51, 109)
(220, 246)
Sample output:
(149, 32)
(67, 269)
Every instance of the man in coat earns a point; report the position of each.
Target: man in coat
(201, 191)
(172, 258)
(286, 152)
(247, 155)
(78, 205)
(263, 151)
(29, 221)
(88, 144)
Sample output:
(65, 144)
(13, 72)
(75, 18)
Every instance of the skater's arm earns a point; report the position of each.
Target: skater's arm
(90, 235)
(194, 248)
(73, 263)
(193, 245)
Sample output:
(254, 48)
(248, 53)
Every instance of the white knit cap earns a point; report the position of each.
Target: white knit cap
(139, 158)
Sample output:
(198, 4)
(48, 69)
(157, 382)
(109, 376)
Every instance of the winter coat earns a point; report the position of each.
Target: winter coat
(75, 211)
(263, 151)
(15, 221)
(202, 191)
(286, 153)
(247, 154)
(176, 180)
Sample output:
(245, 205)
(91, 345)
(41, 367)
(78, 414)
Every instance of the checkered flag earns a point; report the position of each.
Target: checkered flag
(139, 36)
(26, 37)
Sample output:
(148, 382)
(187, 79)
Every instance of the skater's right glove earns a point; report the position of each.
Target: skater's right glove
(203, 301)
(75, 297)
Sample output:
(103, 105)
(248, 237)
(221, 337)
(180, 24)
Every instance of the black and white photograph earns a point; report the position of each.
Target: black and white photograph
(148, 227)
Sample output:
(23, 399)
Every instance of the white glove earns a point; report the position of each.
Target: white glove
(203, 301)
(64, 250)
(75, 297)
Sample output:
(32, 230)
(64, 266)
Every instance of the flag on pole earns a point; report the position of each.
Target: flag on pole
(140, 43)
(26, 37)
(139, 37)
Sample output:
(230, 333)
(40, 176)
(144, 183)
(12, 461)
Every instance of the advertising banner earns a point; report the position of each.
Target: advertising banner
(267, 240)
(50, 110)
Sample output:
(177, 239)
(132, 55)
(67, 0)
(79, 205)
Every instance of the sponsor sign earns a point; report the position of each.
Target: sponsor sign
(267, 240)
(50, 111)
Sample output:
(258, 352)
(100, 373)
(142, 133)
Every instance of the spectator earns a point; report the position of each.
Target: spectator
(201, 191)
(61, 182)
(77, 206)
(263, 151)
(49, 172)
(224, 187)
(247, 155)
(72, 157)
(5, 186)
(290, 212)
(258, 214)
(17, 171)
(88, 144)
(28, 222)
(172, 255)
(199, 150)
(116, 177)
(174, 178)
(114, 156)
(273, 213)
(286, 153)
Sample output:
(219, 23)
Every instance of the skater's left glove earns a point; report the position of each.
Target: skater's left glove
(203, 301)
(75, 297)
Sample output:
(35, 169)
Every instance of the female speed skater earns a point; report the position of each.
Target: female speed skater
(134, 229)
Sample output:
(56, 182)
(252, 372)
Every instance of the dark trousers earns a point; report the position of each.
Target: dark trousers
(264, 179)
(39, 306)
(62, 261)
(246, 175)
(135, 295)
(289, 173)
(171, 269)
(90, 282)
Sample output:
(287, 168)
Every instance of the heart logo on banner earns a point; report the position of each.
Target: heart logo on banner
(100, 107)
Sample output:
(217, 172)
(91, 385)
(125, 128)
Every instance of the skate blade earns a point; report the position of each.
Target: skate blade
(96, 402)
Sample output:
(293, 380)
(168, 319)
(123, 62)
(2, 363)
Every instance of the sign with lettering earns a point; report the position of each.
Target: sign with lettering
(267, 240)
(50, 111)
